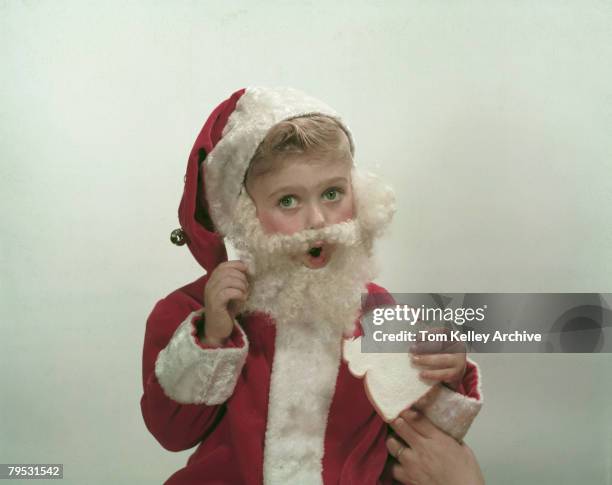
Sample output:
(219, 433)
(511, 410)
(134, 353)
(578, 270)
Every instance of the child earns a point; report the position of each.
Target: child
(256, 376)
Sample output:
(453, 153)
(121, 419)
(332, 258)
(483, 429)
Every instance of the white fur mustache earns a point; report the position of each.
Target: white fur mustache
(344, 233)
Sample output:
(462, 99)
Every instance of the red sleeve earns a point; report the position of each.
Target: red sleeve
(176, 426)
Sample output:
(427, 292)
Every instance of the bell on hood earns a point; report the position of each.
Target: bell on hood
(178, 237)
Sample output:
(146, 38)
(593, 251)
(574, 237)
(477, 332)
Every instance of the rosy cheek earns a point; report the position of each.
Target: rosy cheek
(349, 212)
(346, 210)
(273, 222)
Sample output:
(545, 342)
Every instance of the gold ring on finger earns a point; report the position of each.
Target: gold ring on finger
(399, 452)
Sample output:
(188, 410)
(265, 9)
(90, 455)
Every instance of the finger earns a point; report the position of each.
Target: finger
(227, 294)
(435, 361)
(410, 475)
(235, 263)
(232, 278)
(433, 347)
(231, 281)
(456, 348)
(397, 449)
(438, 341)
(439, 375)
(419, 424)
(218, 278)
(410, 436)
(230, 271)
(399, 474)
(391, 432)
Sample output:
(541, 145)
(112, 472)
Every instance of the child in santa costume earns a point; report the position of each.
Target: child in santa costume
(246, 362)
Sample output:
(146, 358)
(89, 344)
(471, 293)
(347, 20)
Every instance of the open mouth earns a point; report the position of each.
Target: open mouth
(315, 252)
(317, 255)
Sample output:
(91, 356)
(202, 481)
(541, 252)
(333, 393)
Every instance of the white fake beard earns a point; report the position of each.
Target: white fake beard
(293, 294)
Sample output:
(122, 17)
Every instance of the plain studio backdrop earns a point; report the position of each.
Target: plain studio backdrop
(492, 121)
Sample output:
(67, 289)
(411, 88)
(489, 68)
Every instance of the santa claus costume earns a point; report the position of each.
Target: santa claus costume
(277, 404)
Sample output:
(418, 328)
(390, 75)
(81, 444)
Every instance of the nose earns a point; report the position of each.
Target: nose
(316, 217)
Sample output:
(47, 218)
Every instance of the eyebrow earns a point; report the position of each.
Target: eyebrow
(296, 188)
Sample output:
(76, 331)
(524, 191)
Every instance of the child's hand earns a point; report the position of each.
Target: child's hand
(440, 362)
(226, 287)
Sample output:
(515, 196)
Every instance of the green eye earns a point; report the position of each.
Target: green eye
(331, 194)
(287, 202)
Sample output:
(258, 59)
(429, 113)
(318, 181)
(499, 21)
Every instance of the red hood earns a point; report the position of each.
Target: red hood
(204, 242)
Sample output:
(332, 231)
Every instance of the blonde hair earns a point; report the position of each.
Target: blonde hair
(318, 134)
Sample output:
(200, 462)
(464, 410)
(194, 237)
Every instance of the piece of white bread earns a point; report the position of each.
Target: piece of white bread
(391, 381)
(392, 384)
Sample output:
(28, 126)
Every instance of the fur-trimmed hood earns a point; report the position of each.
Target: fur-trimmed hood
(220, 158)
(197, 229)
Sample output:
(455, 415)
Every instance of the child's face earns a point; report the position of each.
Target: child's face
(305, 191)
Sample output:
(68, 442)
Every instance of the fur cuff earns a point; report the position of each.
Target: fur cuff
(191, 374)
(451, 411)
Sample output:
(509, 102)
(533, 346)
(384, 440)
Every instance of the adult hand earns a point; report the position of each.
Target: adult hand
(424, 455)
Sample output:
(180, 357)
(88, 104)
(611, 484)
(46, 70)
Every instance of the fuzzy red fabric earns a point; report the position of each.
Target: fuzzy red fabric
(205, 244)
(231, 435)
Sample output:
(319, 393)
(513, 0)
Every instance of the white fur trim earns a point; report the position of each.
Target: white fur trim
(190, 374)
(450, 411)
(374, 202)
(311, 310)
(302, 384)
(257, 110)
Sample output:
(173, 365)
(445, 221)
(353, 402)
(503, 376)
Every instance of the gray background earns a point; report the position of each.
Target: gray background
(492, 120)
